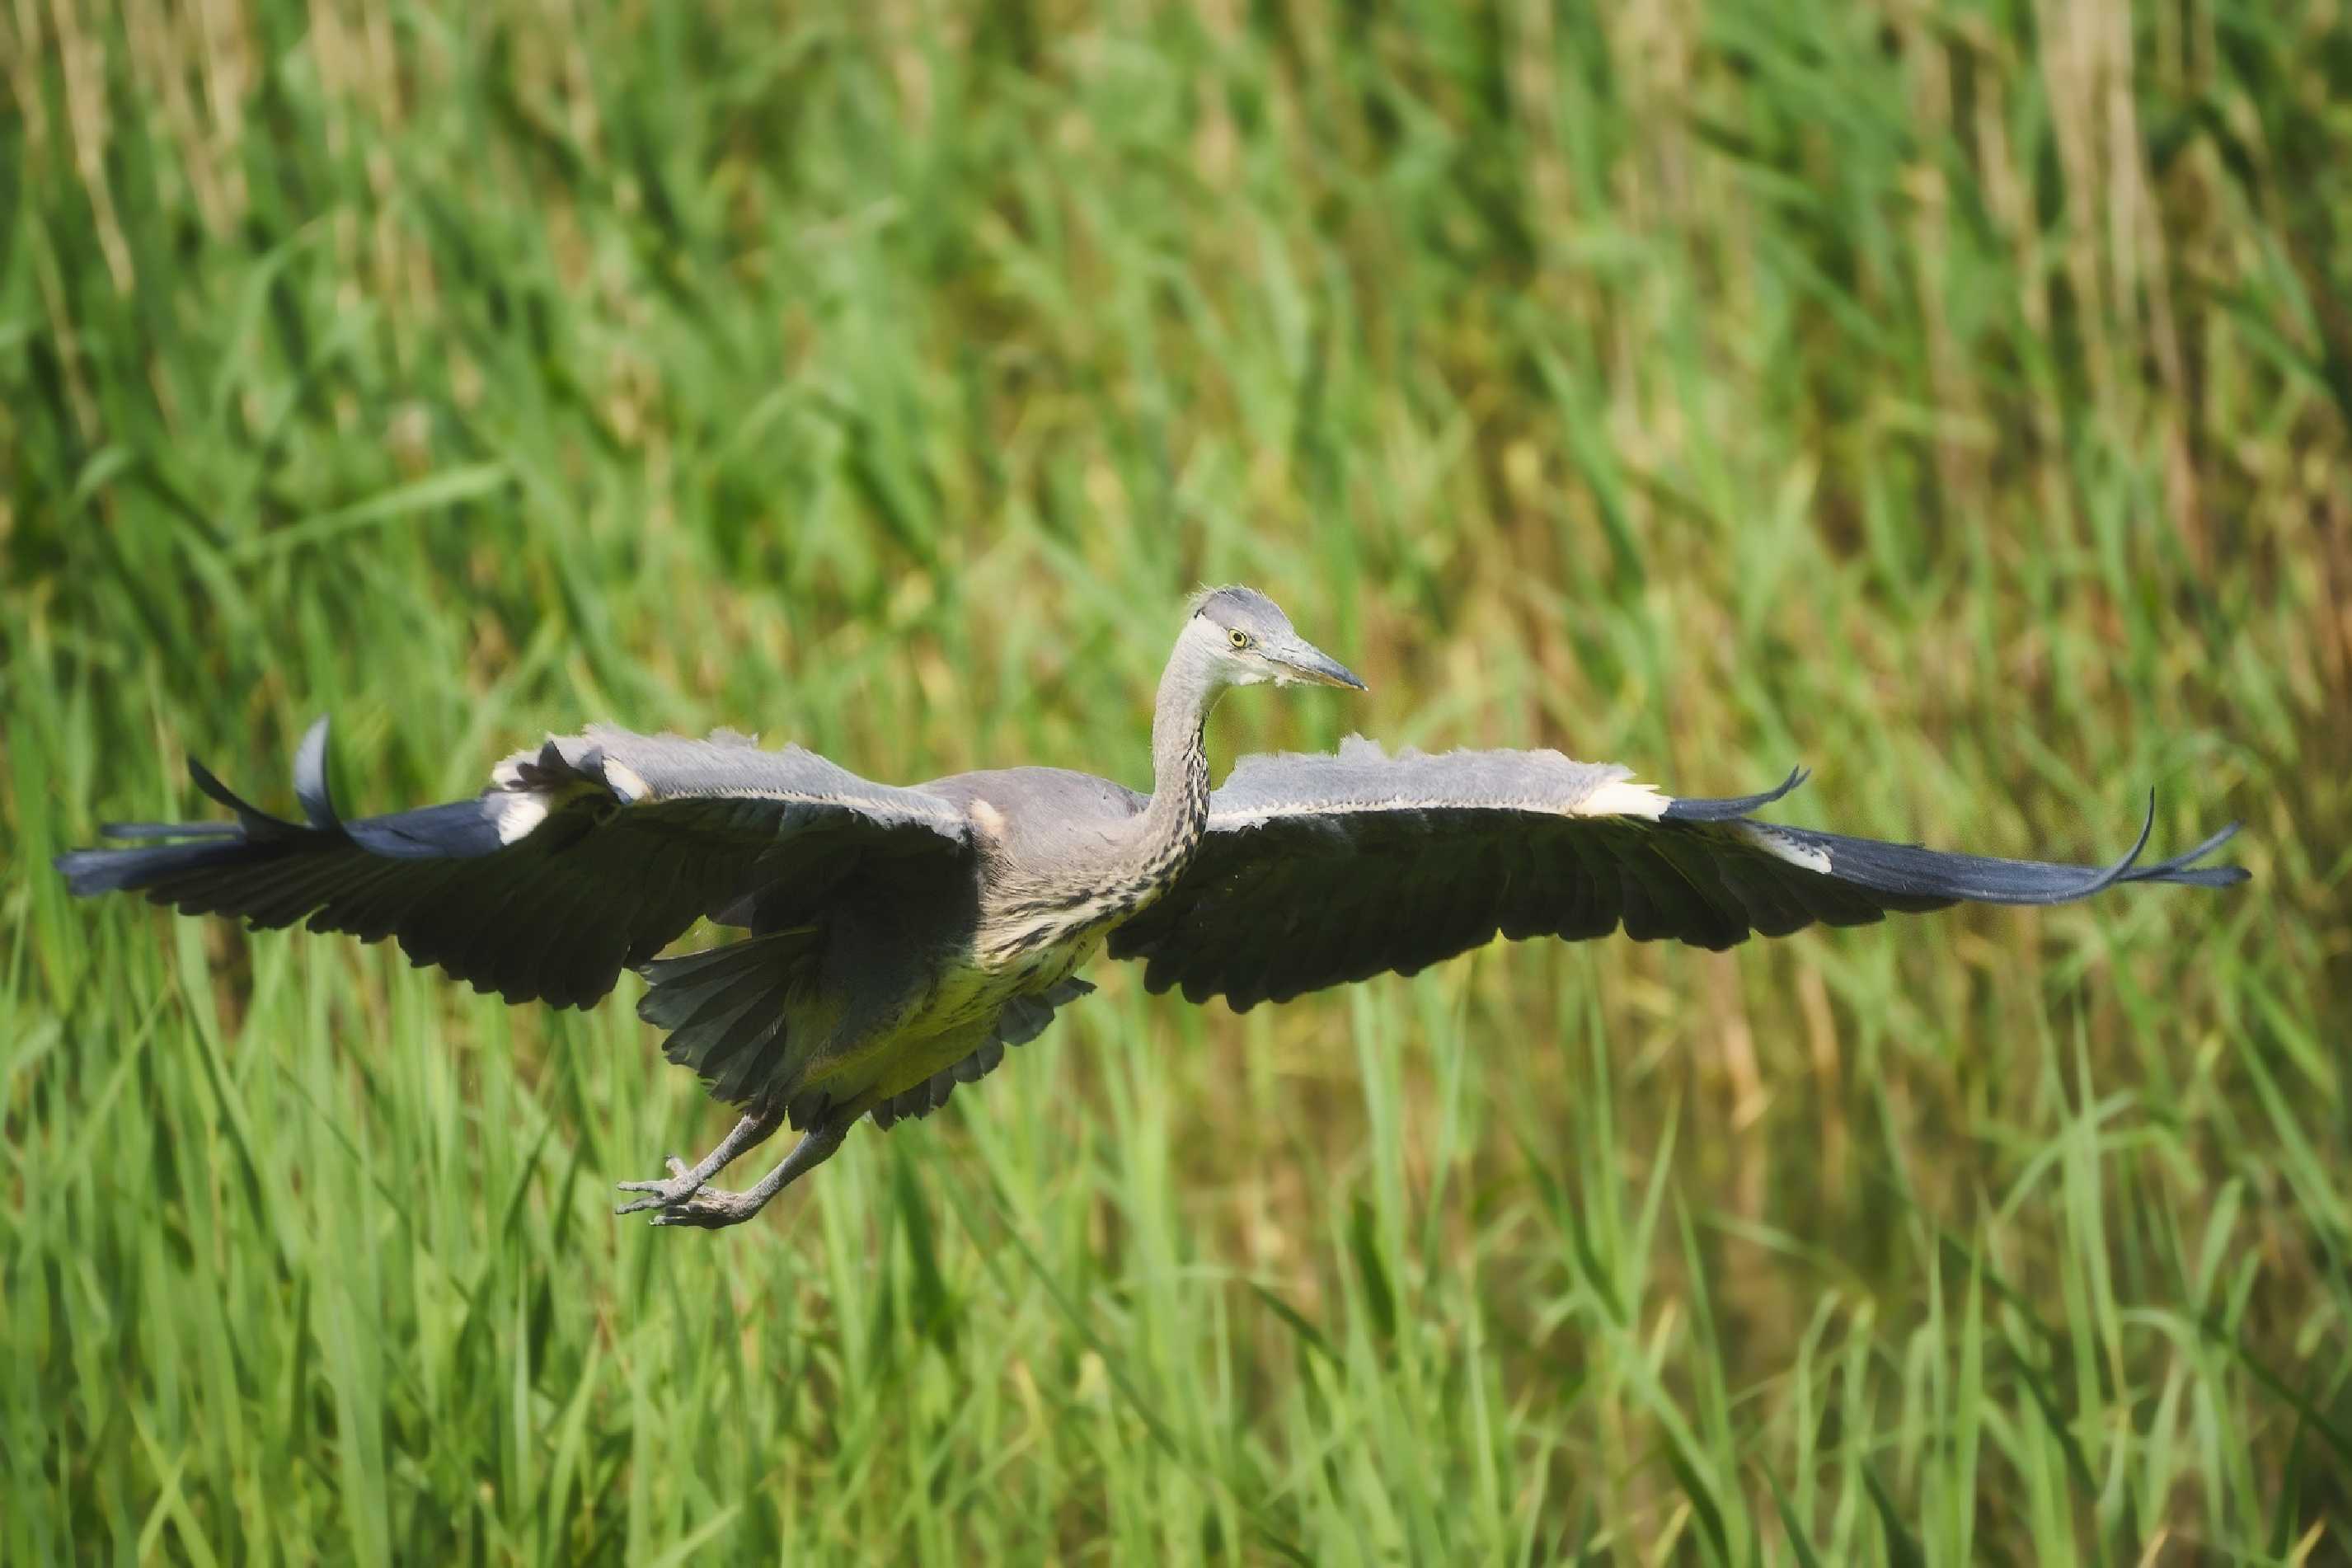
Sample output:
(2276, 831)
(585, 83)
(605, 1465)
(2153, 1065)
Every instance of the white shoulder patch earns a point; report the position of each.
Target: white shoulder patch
(522, 812)
(626, 782)
(1623, 798)
(1784, 848)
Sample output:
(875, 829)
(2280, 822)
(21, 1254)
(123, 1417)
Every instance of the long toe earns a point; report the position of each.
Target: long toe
(712, 1208)
(683, 1183)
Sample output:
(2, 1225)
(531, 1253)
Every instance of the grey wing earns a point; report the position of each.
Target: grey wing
(583, 857)
(1317, 870)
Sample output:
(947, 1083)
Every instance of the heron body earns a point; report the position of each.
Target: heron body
(897, 942)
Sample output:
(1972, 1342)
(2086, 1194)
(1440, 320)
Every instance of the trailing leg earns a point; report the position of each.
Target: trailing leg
(686, 1180)
(712, 1208)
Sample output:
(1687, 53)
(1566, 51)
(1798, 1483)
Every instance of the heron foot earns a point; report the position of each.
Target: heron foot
(712, 1208)
(684, 1182)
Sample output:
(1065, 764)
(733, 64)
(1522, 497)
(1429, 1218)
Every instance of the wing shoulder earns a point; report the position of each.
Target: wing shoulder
(1363, 781)
(670, 775)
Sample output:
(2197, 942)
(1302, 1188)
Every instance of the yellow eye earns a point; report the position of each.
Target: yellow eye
(1238, 637)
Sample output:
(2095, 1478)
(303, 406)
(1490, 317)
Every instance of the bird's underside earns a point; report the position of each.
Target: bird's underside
(852, 990)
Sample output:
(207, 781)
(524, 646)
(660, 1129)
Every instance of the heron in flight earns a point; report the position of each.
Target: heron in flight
(897, 941)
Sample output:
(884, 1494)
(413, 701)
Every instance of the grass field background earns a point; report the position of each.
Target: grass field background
(1953, 397)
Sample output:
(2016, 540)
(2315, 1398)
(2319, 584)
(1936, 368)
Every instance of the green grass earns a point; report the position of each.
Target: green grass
(1953, 397)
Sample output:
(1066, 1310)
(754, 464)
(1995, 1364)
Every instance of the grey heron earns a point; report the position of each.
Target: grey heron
(897, 941)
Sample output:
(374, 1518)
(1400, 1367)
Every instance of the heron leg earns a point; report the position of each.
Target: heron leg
(713, 1208)
(685, 1180)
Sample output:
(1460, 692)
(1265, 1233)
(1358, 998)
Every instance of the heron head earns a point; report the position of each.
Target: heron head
(1246, 639)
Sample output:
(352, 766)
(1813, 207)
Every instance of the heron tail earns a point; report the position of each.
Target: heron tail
(740, 1015)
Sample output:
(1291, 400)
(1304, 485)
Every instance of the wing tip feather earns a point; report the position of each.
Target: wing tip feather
(1699, 809)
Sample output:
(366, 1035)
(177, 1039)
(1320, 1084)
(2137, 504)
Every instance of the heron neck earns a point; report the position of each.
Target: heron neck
(1173, 822)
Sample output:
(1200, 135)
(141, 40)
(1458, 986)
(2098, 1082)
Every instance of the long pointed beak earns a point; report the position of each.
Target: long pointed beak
(1311, 664)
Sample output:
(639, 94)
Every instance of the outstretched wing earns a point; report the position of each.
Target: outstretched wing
(585, 857)
(1317, 871)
